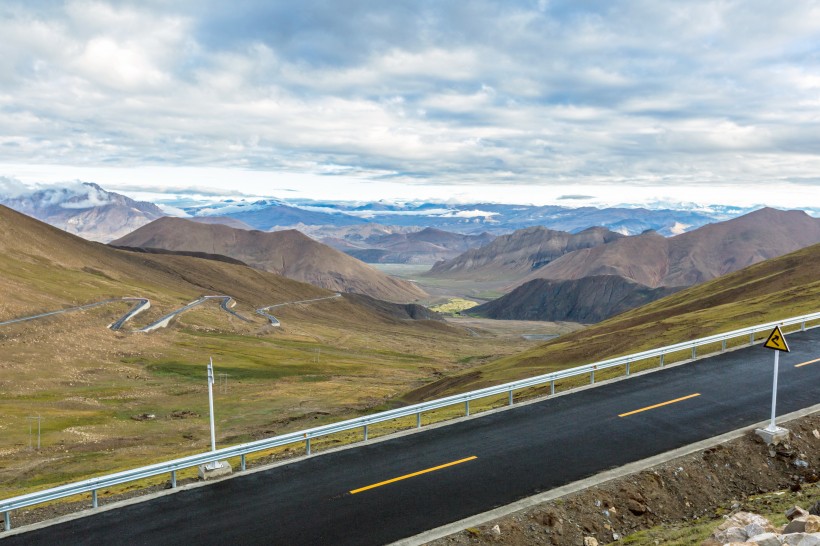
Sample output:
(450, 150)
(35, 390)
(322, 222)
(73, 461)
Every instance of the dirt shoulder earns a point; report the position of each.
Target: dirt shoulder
(697, 487)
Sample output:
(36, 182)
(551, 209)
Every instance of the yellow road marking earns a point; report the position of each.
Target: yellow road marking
(647, 408)
(420, 472)
(807, 363)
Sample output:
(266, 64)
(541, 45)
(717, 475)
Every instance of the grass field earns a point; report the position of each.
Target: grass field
(89, 384)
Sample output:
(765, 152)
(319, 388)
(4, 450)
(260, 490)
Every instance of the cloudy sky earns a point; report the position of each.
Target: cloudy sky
(524, 101)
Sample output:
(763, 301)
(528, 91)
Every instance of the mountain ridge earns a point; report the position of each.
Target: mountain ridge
(696, 256)
(515, 255)
(289, 253)
(86, 209)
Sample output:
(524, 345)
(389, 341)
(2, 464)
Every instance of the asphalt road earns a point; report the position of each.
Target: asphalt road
(498, 459)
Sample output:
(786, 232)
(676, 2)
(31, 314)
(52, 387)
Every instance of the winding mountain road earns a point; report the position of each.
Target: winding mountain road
(275, 321)
(226, 303)
(142, 305)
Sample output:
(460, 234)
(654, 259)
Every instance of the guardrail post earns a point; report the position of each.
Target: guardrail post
(94, 503)
(803, 326)
(723, 345)
(752, 338)
(661, 360)
(694, 352)
(418, 420)
(467, 407)
(307, 446)
(365, 433)
(511, 397)
(242, 462)
(6, 521)
(627, 367)
(173, 479)
(592, 376)
(552, 386)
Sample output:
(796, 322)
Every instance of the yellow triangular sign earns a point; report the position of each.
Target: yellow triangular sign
(776, 341)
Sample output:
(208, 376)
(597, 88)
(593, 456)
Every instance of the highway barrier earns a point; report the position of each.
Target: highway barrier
(304, 436)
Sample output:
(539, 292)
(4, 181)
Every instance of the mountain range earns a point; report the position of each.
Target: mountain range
(599, 281)
(471, 218)
(693, 257)
(288, 253)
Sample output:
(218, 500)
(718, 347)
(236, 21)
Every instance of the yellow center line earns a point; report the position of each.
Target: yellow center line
(807, 363)
(419, 473)
(647, 408)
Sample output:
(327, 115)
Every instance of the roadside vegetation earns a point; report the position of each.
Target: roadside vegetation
(454, 306)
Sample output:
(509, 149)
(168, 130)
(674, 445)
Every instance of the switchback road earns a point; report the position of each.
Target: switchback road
(385, 491)
(143, 304)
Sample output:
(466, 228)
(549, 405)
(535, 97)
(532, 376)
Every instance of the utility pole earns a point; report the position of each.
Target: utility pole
(30, 420)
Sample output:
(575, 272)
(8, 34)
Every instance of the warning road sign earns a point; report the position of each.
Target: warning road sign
(776, 341)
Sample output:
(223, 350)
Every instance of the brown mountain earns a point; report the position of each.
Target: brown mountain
(587, 300)
(693, 257)
(288, 253)
(514, 256)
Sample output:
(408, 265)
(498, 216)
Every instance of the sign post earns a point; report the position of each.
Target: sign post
(777, 342)
(211, 402)
(213, 469)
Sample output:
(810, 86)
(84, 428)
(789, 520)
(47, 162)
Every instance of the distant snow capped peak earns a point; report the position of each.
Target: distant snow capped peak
(232, 206)
(82, 208)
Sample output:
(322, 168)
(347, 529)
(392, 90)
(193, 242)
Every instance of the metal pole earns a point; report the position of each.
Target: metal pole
(30, 420)
(7, 521)
(418, 420)
(94, 503)
(772, 426)
(242, 462)
(511, 397)
(211, 401)
(467, 407)
(173, 479)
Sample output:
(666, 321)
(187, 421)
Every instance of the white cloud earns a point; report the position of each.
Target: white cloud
(545, 94)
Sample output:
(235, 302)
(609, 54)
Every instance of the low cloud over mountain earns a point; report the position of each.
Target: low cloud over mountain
(81, 208)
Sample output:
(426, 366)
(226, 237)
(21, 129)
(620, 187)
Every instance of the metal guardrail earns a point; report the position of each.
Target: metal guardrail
(242, 450)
